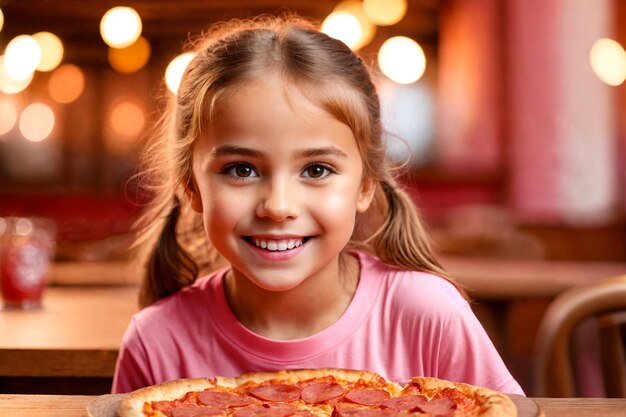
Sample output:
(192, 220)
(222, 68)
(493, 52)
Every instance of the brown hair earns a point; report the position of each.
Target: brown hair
(331, 75)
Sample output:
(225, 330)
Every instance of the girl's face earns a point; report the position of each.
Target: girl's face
(279, 183)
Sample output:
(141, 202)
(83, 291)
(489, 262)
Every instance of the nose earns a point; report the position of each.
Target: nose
(279, 200)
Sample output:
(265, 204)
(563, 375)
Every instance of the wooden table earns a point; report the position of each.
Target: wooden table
(77, 333)
(75, 406)
(501, 279)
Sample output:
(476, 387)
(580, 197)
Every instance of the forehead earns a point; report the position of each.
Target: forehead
(273, 94)
(272, 108)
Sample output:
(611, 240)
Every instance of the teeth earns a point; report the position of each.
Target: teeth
(277, 245)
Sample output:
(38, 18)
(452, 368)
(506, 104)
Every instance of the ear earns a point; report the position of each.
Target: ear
(366, 195)
(193, 196)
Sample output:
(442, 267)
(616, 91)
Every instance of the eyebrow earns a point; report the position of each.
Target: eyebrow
(321, 151)
(230, 150)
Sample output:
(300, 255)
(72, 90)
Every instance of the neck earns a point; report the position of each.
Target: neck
(314, 305)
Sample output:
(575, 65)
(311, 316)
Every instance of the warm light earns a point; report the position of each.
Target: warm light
(608, 61)
(176, 69)
(344, 26)
(355, 7)
(10, 86)
(127, 119)
(132, 58)
(51, 50)
(120, 27)
(66, 83)
(36, 122)
(402, 60)
(385, 12)
(8, 115)
(22, 56)
(24, 227)
(1, 19)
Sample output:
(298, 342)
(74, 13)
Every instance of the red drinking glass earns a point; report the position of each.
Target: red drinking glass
(26, 249)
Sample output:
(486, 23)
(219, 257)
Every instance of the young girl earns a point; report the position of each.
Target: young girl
(274, 140)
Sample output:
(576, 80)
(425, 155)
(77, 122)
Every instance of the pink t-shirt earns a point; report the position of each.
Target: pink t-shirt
(399, 324)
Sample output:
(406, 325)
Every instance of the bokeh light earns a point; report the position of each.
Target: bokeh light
(10, 86)
(176, 69)
(36, 122)
(132, 58)
(21, 57)
(66, 83)
(51, 50)
(608, 61)
(120, 27)
(127, 119)
(355, 7)
(1, 19)
(402, 60)
(385, 12)
(344, 26)
(8, 114)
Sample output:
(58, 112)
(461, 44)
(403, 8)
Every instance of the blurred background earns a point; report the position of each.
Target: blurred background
(514, 135)
(510, 116)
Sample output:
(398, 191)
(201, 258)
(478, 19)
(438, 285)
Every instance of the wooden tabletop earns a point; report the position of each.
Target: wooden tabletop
(77, 332)
(75, 406)
(492, 278)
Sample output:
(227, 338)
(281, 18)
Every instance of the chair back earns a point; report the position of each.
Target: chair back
(603, 301)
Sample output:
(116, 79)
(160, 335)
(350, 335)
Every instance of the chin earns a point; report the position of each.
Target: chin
(277, 284)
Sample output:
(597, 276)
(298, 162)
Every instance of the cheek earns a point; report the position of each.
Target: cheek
(221, 211)
(338, 207)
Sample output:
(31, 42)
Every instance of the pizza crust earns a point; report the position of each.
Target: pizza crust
(296, 375)
(132, 404)
(491, 403)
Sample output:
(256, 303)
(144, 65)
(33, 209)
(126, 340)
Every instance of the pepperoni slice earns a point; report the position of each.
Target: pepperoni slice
(319, 392)
(349, 411)
(266, 410)
(197, 411)
(163, 406)
(461, 400)
(220, 399)
(276, 392)
(442, 407)
(405, 402)
(373, 396)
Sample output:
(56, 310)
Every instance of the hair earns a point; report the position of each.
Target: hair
(330, 75)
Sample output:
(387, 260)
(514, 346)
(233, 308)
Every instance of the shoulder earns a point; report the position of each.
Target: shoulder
(180, 305)
(409, 288)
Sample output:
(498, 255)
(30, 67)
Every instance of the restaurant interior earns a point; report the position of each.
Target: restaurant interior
(508, 118)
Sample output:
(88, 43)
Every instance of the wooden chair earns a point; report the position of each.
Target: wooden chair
(604, 301)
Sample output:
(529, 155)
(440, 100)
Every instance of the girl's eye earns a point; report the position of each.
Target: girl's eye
(317, 171)
(240, 171)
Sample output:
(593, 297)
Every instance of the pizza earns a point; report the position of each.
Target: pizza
(314, 393)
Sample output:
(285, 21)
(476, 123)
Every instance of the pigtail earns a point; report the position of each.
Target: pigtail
(401, 239)
(169, 266)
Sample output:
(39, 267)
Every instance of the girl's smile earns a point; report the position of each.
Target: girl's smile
(277, 249)
(276, 244)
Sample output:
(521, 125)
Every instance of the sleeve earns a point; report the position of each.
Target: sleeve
(466, 353)
(132, 370)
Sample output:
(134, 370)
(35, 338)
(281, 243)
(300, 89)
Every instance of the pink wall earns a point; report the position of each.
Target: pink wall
(563, 129)
(533, 68)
